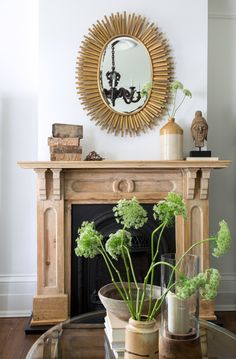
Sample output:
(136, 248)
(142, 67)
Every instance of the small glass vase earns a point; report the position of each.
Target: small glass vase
(179, 317)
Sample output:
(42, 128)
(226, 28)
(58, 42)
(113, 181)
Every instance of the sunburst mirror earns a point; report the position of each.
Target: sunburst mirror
(123, 73)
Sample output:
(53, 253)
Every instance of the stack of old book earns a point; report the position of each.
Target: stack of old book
(115, 334)
(65, 142)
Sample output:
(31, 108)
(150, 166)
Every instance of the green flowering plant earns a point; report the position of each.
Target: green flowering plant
(166, 211)
(222, 240)
(116, 241)
(89, 240)
(146, 89)
(130, 214)
(176, 87)
(206, 282)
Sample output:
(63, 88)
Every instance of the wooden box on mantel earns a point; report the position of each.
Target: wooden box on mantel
(62, 130)
(65, 143)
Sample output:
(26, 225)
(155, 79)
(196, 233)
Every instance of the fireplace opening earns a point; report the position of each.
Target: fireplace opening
(89, 275)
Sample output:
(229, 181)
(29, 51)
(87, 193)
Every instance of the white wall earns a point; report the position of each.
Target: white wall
(62, 25)
(18, 141)
(222, 134)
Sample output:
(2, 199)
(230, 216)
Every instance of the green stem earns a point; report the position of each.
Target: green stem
(127, 270)
(135, 280)
(145, 284)
(173, 111)
(155, 308)
(153, 259)
(152, 239)
(115, 269)
(192, 246)
(114, 282)
(159, 240)
(186, 252)
(179, 105)
(159, 302)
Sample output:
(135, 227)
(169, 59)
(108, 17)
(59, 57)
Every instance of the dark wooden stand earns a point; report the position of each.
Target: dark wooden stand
(180, 346)
(200, 153)
(36, 329)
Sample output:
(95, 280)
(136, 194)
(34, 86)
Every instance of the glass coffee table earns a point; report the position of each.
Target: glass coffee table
(83, 337)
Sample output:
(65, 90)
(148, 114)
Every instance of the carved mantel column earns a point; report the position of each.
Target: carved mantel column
(50, 305)
(196, 227)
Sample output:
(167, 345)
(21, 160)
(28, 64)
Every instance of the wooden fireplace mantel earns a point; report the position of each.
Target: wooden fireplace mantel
(125, 164)
(60, 184)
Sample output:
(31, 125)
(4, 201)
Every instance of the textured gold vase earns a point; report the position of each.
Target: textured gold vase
(141, 339)
(171, 141)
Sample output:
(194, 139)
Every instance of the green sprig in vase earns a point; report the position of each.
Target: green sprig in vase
(171, 134)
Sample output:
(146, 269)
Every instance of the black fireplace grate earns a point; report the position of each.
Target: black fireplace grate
(89, 275)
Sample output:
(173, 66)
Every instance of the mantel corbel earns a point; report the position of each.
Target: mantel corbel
(42, 191)
(191, 175)
(56, 173)
(204, 183)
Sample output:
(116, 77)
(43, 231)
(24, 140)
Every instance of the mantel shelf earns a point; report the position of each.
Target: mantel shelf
(125, 164)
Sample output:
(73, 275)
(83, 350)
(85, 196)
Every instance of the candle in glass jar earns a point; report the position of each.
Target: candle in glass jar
(178, 315)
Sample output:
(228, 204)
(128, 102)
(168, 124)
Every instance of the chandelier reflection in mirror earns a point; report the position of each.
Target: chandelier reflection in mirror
(113, 77)
(147, 67)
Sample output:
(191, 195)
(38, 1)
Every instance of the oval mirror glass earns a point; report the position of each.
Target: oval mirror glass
(125, 75)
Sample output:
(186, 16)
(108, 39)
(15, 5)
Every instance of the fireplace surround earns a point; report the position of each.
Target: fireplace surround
(89, 275)
(60, 185)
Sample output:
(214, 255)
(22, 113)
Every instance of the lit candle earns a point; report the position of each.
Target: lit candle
(178, 315)
(131, 85)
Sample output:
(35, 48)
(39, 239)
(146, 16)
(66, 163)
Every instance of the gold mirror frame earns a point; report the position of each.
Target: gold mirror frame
(88, 73)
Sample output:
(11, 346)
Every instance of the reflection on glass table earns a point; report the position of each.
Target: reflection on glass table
(83, 337)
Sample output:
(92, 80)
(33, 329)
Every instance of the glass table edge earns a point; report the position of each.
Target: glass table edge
(203, 323)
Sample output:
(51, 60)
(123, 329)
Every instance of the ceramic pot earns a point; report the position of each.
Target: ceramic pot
(112, 301)
(171, 141)
(141, 339)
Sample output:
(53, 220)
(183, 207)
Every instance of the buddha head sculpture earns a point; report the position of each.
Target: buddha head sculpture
(199, 129)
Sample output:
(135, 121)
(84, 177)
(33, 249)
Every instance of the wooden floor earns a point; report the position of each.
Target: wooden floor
(228, 320)
(14, 344)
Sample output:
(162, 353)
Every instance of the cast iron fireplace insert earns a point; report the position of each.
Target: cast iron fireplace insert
(89, 275)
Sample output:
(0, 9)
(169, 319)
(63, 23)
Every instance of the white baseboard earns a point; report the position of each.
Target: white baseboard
(225, 302)
(16, 295)
(221, 16)
(225, 308)
(17, 291)
(226, 299)
(14, 314)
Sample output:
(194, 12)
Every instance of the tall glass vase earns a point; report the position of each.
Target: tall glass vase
(179, 317)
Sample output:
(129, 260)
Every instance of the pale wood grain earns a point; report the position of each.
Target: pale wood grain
(62, 184)
(124, 164)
